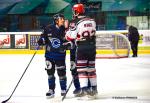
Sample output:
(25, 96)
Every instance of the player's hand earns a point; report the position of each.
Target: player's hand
(68, 45)
(41, 41)
(66, 24)
(73, 65)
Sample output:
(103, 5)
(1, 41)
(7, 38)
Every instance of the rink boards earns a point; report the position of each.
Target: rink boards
(26, 42)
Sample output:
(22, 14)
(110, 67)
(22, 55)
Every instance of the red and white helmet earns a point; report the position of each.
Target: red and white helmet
(78, 8)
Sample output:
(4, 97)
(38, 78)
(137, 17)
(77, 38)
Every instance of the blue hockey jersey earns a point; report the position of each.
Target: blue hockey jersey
(53, 38)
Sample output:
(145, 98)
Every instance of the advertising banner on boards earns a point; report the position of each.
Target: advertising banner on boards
(21, 41)
(5, 41)
(33, 42)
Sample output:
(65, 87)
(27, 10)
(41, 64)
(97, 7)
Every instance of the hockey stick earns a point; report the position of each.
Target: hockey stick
(67, 90)
(21, 77)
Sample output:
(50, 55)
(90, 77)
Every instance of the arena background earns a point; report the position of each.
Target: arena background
(26, 42)
(28, 17)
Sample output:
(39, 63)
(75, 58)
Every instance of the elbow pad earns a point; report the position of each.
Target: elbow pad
(71, 35)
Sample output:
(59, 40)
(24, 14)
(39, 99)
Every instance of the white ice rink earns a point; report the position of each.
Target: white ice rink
(125, 80)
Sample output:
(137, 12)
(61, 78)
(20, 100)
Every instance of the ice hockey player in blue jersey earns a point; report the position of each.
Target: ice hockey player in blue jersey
(74, 71)
(55, 53)
(73, 68)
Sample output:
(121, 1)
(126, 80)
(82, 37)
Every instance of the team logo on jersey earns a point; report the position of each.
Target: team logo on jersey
(55, 42)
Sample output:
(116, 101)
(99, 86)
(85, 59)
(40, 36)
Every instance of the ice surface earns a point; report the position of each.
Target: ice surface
(125, 80)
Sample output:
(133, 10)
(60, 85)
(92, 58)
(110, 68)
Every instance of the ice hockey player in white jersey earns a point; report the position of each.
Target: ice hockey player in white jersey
(82, 29)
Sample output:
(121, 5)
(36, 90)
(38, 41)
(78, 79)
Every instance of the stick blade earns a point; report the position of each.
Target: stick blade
(5, 101)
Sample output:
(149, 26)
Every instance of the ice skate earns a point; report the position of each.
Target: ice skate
(92, 92)
(63, 92)
(83, 92)
(76, 92)
(50, 94)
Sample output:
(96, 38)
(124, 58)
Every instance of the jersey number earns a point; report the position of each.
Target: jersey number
(87, 34)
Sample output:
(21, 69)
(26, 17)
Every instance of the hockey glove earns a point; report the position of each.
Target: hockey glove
(73, 66)
(68, 45)
(41, 41)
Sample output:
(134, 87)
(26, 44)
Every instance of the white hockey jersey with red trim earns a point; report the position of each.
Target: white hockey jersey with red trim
(81, 29)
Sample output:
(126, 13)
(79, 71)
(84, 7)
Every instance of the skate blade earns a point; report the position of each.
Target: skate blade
(56, 99)
(92, 97)
(87, 97)
(50, 97)
(83, 98)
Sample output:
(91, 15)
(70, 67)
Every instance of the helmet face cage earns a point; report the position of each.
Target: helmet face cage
(78, 9)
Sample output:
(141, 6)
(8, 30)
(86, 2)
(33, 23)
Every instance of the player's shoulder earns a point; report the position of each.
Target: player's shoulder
(88, 19)
(48, 29)
(50, 26)
(85, 19)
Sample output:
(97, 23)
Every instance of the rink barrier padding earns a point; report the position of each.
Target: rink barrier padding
(98, 52)
(26, 42)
